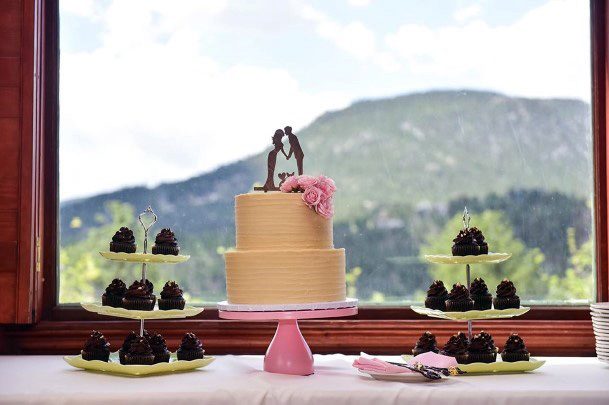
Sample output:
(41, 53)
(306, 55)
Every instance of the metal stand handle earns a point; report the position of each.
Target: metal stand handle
(469, 322)
(147, 219)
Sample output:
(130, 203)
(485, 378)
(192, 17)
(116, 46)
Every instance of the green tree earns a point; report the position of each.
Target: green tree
(523, 268)
(83, 273)
(578, 281)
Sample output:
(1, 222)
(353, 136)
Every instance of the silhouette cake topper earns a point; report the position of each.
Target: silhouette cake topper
(295, 150)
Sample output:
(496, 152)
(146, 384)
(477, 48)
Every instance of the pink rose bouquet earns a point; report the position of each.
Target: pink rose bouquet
(316, 192)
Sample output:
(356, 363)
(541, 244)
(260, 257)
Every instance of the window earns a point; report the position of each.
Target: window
(415, 113)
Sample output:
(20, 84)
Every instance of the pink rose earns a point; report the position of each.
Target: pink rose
(306, 182)
(290, 184)
(325, 208)
(326, 185)
(312, 196)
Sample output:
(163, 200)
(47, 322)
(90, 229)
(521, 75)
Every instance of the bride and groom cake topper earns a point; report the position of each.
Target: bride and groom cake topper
(295, 150)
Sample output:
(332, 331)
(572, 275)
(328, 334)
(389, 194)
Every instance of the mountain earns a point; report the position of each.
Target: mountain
(418, 150)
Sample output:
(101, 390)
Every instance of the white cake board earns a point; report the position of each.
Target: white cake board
(348, 303)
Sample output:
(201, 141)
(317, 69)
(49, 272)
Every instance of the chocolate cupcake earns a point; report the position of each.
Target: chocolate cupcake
(159, 348)
(458, 299)
(139, 297)
(191, 348)
(113, 297)
(125, 347)
(165, 243)
(171, 297)
(426, 343)
(465, 244)
(139, 352)
(506, 296)
(478, 291)
(436, 296)
(123, 241)
(482, 349)
(515, 349)
(479, 238)
(96, 348)
(456, 347)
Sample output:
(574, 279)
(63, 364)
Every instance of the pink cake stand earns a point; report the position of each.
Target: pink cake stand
(288, 352)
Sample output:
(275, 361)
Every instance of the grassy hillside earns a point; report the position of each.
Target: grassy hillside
(420, 150)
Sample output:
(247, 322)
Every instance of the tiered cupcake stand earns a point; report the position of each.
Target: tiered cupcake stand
(288, 352)
(147, 219)
(470, 316)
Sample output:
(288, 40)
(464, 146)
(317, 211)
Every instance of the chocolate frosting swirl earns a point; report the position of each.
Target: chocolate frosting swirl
(166, 238)
(427, 342)
(124, 235)
(138, 290)
(140, 346)
(477, 234)
(506, 289)
(149, 285)
(464, 238)
(459, 292)
(171, 290)
(457, 344)
(437, 289)
(157, 343)
(116, 287)
(482, 343)
(130, 338)
(478, 287)
(191, 342)
(97, 342)
(515, 344)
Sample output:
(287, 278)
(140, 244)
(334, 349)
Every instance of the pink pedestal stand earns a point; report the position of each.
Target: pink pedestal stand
(288, 352)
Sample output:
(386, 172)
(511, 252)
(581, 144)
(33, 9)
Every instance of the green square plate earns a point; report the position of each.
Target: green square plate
(497, 367)
(449, 259)
(133, 314)
(115, 367)
(471, 315)
(144, 257)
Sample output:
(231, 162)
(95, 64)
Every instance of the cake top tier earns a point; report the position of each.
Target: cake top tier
(279, 221)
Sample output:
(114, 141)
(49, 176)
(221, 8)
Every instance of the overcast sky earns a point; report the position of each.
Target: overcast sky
(154, 91)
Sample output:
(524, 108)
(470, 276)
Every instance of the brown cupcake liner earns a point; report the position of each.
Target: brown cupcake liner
(121, 355)
(190, 354)
(482, 302)
(506, 302)
(102, 355)
(139, 304)
(165, 250)
(162, 357)
(119, 247)
(112, 300)
(512, 357)
(416, 352)
(438, 303)
(459, 305)
(145, 359)
(481, 358)
(484, 250)
(465, 250)
(171, 303)
(461, 358)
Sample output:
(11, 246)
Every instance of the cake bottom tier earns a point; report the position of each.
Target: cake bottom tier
(285, 276)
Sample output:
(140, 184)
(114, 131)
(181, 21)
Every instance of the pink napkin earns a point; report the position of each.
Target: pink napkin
(378, 366)
(434, 360)
(372, 364)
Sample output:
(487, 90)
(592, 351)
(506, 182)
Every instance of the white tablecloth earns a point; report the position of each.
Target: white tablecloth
(240, 380)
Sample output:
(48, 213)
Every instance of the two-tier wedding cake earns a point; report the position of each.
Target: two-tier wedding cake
(285, 252)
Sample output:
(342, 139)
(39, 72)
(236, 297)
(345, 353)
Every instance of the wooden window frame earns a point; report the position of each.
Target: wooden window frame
(59, 329)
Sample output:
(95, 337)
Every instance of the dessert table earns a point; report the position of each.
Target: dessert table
(240, 380)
